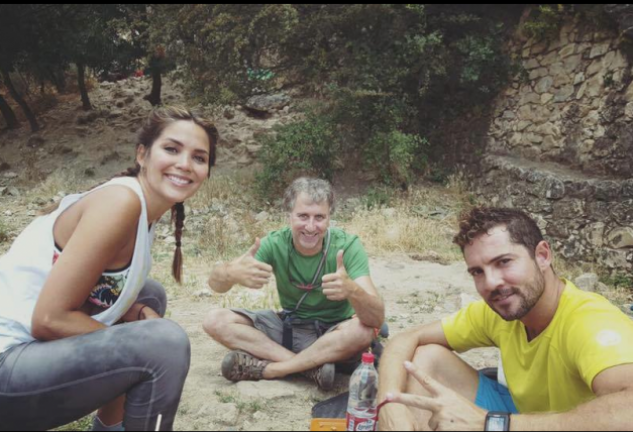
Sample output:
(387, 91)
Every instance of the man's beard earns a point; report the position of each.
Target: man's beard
(529, 297)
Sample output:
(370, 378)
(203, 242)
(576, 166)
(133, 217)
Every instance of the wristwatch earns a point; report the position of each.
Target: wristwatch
(497, 421)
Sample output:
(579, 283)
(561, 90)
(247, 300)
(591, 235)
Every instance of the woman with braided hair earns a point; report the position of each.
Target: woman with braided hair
(74, 273)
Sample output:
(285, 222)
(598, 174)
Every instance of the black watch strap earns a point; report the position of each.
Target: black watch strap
(497, 421)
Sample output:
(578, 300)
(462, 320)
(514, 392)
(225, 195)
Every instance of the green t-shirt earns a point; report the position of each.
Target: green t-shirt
(278, 251)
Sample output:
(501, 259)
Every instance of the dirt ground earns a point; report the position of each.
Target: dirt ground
(415, 293)
(76, 150)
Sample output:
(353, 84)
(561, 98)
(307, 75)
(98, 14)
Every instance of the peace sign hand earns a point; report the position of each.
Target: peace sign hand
(451, 411)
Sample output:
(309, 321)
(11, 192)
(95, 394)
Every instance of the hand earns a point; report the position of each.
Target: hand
(338, 286)
(148, 313)
(450, 410)
(139, 312)
(249, 272)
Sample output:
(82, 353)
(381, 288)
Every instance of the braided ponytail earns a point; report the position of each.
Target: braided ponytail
(178, 219)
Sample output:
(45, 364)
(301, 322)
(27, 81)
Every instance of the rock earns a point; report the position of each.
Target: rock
(567, 51)
(531, 64)
(394, 266)
(599, 50)
(263, 216)
(389, 213)
(228, 413)
(87, 117)
(429, 256)
(12, 191)
(565, 93)
(621, 238)
(254, 148)
(544, 85)
(35, 141)
(115, 113)
(587, 282)
(628, 110)
(265, 104)
(203, 293)
(572, 63)
(10, 175)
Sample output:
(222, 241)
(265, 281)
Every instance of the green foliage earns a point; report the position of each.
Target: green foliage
(619, 280)
(306, 147)
(545, 22)
(377, 197)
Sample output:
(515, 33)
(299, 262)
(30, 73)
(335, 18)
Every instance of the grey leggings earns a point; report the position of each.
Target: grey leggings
(44, 385)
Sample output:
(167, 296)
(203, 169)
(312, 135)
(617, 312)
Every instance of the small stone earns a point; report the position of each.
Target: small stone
(263, 216)
(587, 282)
(621, 238)
(229, 413)
(206, 292)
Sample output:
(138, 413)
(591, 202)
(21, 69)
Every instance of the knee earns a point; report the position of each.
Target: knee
(427, 356)
(154, 296)
(216, 322)
(166, 342)
(359, 335)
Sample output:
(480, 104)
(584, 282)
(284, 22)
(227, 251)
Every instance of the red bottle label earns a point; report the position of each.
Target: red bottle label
(360, 423)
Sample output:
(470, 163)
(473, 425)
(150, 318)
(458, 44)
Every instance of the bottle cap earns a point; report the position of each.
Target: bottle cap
(368, 358)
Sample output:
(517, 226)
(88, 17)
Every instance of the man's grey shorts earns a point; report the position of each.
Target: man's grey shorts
(269, 323)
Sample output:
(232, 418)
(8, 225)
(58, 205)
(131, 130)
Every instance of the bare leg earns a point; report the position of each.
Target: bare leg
(448, 369)
(236, 332)
(347, 340)
(113, 412)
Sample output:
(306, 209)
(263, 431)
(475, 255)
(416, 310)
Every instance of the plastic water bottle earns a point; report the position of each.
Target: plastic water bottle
(363, 388)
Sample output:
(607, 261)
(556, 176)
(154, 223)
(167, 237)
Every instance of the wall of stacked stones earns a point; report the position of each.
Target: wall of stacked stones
(560, 144)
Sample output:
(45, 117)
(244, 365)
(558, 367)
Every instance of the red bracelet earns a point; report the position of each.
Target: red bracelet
(140, 311)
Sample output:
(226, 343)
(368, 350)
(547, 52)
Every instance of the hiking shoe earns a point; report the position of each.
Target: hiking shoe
(240, 366)
(323, 376)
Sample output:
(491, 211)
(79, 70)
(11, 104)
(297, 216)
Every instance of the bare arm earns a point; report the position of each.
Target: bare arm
(108, 220)
(244, 270)
(611, 410)
(367, 303)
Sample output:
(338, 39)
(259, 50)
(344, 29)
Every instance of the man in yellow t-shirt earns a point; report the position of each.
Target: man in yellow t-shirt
(567, 354)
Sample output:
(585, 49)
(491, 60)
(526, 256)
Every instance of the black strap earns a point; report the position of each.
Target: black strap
(287, 338)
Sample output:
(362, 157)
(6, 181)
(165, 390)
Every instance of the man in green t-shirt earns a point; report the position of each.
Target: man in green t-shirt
(331, 307)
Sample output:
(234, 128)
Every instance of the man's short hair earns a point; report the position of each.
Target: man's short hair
(522, 229)
(317, 189)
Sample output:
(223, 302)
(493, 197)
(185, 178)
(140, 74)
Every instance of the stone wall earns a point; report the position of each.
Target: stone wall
(573, 105)
(560, 145)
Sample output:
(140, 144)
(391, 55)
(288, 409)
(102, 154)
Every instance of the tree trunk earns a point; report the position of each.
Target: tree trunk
(8, 114)
(20, 101)
(81, 78)
(157, 84)
(58, 80)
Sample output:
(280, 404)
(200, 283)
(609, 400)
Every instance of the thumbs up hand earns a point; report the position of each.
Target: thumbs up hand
(249, 272)
(338, 286)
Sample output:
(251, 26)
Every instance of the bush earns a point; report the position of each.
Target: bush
(545, 22)
(307, 147)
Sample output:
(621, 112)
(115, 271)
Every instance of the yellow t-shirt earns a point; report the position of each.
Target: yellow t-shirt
(553, 372)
